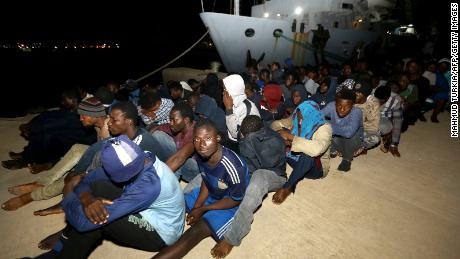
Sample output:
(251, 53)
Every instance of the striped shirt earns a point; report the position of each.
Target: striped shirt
(161, 116)
(228, 178)
(393, 110)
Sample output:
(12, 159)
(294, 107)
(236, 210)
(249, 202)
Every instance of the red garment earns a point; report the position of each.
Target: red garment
(273, 96)
(179, 139)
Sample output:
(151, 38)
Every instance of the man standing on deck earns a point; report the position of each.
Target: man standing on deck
(319, 41)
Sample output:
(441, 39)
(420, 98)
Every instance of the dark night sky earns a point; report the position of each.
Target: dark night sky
(123, 22)
(133, 21)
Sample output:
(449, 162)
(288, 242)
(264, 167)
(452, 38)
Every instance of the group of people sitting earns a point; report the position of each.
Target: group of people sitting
(230, 140)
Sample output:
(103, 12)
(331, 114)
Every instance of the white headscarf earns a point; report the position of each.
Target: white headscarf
(234, 84)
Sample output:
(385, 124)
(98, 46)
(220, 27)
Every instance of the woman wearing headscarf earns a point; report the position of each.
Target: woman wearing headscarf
(309, 137)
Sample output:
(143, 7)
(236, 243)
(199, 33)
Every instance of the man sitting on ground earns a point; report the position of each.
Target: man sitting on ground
(133, 198)
(309, 138)
(347, 126)
(264, 151)
(237, 107)
(175, 142)
(370, 108)
(212, 206)
(51, 134)
(92, 114)
(391, 112)
(154, 110)
(123, 121)
(177, 92)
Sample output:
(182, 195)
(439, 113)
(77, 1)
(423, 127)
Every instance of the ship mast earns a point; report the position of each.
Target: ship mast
(237, 7)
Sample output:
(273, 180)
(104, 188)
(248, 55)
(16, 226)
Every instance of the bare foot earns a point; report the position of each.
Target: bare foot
(383, 148)
(281, 195)
(358, 152)
(221, 249)
(24, 188)
(50, 241)
(14, 155)
(55, 209)
(37, 168)
(17, 202)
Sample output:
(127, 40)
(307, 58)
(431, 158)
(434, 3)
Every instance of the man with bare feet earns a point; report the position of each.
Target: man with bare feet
(212, 206)
(51, 135)
(309, 138)
(92, 114)
(123, 121)
(264, 151)
(134, 199)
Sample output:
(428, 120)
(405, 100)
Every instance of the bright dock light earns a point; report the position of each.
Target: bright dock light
(298, 10)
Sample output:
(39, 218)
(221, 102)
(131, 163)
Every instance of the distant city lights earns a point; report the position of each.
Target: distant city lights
(28, 45)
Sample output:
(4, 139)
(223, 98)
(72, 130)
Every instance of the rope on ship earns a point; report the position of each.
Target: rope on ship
(309, 46)
(173, 60)
(178, 57)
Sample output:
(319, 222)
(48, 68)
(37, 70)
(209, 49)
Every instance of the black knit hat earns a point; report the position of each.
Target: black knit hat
(363, 87)
(91, 107)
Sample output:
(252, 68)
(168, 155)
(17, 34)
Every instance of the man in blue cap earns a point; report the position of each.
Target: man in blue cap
(134, 198)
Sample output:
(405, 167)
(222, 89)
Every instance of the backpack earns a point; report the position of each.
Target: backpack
(248, 110)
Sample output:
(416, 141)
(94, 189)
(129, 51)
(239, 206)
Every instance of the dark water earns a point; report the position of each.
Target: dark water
(36, 79)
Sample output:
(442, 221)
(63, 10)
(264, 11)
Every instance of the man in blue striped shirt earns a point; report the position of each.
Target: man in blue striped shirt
(211, 207)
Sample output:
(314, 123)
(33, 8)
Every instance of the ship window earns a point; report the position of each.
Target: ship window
(249, 32)
(347, 6)
(277, 33)
(336, 24)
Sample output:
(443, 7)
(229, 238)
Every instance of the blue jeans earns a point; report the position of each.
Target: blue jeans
(166, 148)
(303, 166)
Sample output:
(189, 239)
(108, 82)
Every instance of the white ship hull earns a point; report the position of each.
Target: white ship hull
(228, 34)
